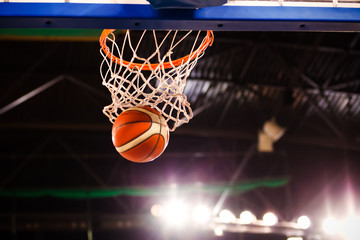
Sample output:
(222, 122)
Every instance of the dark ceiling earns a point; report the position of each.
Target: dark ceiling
(58, 138)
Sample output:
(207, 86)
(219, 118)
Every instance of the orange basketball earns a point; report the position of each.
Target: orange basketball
(140, 134)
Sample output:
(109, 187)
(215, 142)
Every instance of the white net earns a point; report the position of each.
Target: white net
(155, 80)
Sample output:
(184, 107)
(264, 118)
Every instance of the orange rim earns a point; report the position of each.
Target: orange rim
(209, 39)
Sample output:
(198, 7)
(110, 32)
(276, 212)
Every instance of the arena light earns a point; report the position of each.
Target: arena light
(270, 219)
(157, 210)
(218, 231)
(273, 130)
(201, 214)
(246, 217)
(175, 213)
(304, 222)
(226, 216)
(330, 226)
(265, 142)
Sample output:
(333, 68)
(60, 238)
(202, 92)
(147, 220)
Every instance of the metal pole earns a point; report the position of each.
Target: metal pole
(31, 94)
(89, 171)
(89, 221)
(234, 177)
(13, 219)
(23, 164)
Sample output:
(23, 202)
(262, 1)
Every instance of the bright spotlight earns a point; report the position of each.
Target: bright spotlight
(175, 213)
(226, 216)
(270, 219)
(218, 231)
(304, 222)
(294, 238)
(246, 217)
(330, 226)
(350, 228)
(157, 210)
(201, 214)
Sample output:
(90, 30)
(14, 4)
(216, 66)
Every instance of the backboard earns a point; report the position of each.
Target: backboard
(235, 15)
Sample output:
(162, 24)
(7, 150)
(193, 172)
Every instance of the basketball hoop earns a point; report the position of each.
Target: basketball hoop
(154, 80)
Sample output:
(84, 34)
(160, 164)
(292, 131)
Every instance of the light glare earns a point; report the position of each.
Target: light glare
(218, 231)
(350, 228)
(157, 210)
(330, 226)
(295, 238)
(304, 222)
(226, 216)
(201, 214)
(175, 213)
(246, 217)
(270, 219)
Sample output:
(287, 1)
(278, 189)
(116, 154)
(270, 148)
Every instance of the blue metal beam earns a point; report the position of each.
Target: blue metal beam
(133, 16)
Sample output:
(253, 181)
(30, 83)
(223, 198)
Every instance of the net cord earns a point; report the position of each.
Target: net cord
(163, 85)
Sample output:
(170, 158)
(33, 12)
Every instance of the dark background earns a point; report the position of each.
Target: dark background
(59, 139)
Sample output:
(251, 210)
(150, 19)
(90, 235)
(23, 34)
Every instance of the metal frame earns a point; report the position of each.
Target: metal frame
(141, 16)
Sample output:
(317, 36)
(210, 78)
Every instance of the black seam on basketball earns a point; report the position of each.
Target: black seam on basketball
(147, 114)
(144, 141)
(142, 121)
(138, 112)
(157, 141)
(150, 119)
(151, 123)
(131, 123)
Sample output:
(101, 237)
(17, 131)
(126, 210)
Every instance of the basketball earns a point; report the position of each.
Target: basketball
(140, 134)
